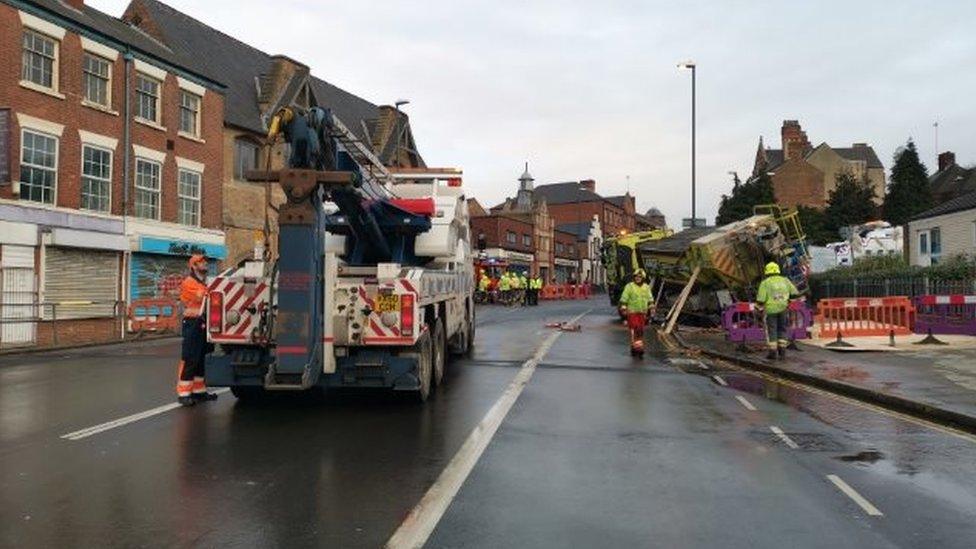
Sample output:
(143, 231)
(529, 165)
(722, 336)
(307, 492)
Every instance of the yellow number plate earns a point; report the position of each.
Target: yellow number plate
(387, 303)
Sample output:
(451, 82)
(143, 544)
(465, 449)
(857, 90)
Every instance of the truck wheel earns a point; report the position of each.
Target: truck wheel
(422, 352)
(248, 394)
(469, 333)
(439, 342)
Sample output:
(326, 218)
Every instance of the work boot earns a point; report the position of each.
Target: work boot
(186, 401)
(204, 397)
(781, 352)
(771, 355)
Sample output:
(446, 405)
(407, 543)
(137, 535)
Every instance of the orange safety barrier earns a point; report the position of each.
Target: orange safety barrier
(864, 317)
(548, 292)
(154, 315)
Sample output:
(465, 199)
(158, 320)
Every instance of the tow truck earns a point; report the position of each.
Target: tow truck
(372, 285)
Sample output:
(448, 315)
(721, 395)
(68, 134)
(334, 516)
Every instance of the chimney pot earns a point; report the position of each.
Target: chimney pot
(76, 4)
(589, 184)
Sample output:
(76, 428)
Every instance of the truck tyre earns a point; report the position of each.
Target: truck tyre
(248, 394)
(422, 352)
(439, 343)
(469, 333)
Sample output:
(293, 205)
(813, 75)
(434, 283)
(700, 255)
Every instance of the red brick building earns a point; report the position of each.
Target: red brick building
(506, 238)
(110, 170)
(573, 202)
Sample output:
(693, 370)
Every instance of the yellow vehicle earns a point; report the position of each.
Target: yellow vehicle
(620, 258)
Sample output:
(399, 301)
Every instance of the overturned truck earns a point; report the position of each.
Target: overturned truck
(729, 261)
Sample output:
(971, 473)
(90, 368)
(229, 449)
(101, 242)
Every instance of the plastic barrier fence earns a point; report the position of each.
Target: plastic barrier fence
(945, 314)
(743, 323)
(864, 317)
(565, 291)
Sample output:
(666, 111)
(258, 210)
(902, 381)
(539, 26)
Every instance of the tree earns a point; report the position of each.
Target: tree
(850, 203)
(814, 224)
(757, 190)
(908, 187)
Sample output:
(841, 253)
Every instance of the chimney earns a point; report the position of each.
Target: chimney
(76, 4)
(795, 142)
(588, 184)
(946, 160)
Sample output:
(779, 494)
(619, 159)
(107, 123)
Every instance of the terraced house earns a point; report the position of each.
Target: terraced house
(110, 170)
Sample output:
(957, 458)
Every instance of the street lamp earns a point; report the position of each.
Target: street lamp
(399, 130)
(691, 65)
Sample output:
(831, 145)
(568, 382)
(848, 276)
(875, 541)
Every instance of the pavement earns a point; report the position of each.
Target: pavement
(541, 439)
(933, 381)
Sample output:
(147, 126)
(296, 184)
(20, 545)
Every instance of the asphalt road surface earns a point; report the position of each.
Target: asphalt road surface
(538, 440)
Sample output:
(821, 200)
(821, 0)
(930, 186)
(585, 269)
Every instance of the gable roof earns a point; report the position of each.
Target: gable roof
(566, 193)
(239, 66)
(964, 202)
(104, 25)
(952, 182)
(863, 153)
(581, 230)
(619, 200)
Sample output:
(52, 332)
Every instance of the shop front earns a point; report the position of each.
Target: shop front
(565, 270)
(158, 265)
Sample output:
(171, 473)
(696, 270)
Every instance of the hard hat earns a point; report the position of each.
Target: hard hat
(772, 268)
(640, 273)
(197, 259)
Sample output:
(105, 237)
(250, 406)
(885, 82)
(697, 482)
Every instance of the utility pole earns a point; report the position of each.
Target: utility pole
(691, 65)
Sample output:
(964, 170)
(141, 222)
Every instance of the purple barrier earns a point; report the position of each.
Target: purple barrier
(945, 314)
(744, 324)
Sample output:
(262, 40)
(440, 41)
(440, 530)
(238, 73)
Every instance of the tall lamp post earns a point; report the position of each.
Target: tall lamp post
(399, 131)
(691, 65)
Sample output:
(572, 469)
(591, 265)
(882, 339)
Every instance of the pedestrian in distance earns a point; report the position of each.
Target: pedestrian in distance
(190, 385)
(773, 298)
(505, 288)
(637, 303)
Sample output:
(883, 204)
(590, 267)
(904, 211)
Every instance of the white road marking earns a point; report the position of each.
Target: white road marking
(858, 498)
(748, 405)
(784, 437)
(102, 427)
(702, 365)
(423, 518)
(718, 379)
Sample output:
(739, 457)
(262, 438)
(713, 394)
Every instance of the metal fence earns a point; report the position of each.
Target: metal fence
(884, 287)
(18, 321)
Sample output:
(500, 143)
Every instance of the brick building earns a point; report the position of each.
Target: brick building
(575, 201)
(506, 238)
(951, 180)
(566, 260)
(805, 175)
(258, 85)
(110, 170)
(529, 208)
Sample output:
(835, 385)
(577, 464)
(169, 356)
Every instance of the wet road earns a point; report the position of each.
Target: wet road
(595, 450)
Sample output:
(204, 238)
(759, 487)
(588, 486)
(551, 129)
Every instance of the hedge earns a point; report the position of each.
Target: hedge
(960, 267)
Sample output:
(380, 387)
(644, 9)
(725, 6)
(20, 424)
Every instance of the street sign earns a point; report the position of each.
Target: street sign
(699, 222)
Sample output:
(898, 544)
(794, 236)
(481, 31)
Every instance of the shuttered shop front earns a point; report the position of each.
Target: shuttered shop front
(83, 283)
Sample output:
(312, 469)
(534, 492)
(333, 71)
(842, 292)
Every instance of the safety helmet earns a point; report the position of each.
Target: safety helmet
(640, 273)
(197, 259)
(772, 268)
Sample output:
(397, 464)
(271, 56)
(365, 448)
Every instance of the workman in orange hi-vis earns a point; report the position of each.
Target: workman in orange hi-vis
(190, 386)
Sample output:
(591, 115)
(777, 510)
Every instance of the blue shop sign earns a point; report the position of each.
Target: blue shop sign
(153, 245)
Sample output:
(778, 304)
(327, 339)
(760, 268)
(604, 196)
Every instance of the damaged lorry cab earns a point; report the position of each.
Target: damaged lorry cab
(372, 283)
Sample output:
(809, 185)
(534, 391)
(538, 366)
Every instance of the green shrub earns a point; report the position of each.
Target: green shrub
(960, 267)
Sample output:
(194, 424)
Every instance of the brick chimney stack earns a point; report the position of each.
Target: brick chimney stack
(589, 184)
(946, 160)
(76, 4)
(795, 142)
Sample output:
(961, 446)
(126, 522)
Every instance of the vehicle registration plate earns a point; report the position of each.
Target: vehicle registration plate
(387, 303)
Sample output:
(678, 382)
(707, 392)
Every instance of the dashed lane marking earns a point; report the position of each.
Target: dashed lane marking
(718, 379)
(784, 437)
(423, 518)
(108, 425)
(858, 498)
(745, 403)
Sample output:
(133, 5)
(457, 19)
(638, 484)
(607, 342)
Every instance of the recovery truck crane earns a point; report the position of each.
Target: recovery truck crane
(372, 284)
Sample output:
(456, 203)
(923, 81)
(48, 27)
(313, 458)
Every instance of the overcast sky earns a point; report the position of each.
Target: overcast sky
(591, 89)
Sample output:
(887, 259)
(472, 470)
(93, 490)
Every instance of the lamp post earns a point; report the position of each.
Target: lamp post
(397, 128)
(691, 65)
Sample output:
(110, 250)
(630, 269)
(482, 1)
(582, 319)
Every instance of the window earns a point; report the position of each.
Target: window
(96, 74)
(245, 157)
(96, 178)
(189, 196)
(39, 61)
(935, 244)
(923, 244)
(527, 240)
(147, 98)
(147, 188)
(511, 237)
(189, 113)
(559, 247)
(38, 167)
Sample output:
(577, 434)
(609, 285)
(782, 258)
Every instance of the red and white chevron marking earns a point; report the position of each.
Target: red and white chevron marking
(237, 298)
